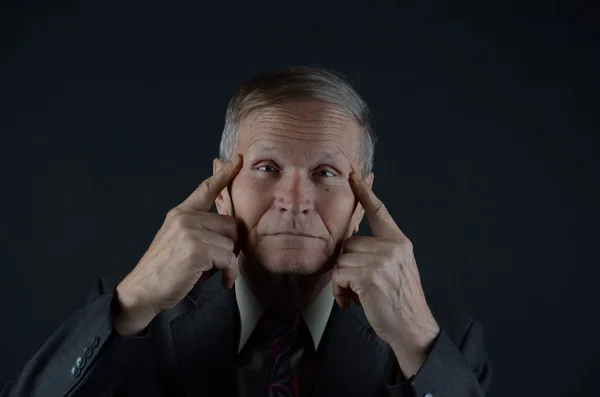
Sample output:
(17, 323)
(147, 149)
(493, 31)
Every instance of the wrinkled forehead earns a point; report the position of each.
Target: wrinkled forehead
(313, 127)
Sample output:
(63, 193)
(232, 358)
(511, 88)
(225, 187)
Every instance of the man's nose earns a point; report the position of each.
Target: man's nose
(294, 193)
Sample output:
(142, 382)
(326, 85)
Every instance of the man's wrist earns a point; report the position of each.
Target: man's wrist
(130, 315)
(412, 352)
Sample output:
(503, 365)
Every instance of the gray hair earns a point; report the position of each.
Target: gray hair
(299, 83)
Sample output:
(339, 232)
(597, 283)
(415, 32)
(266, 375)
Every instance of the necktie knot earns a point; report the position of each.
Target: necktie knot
(280, 327)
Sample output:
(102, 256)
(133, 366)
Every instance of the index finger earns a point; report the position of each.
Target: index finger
(205, 194)
(380, 221)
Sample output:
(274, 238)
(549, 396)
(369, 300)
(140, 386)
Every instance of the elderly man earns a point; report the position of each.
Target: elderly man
(273, 295)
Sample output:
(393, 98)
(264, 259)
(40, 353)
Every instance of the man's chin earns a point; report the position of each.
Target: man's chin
(300, 264)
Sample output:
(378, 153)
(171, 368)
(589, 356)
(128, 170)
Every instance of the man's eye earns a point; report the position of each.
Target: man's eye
(266, 168)
(325, 173)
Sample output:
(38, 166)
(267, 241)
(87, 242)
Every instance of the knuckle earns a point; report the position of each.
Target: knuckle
(369, 273)
(229, 220)
(198, 258)
(230, 245)
(188, 246)
(381, 279)
(174, 212)
(178, 220)
(350, 242)
(398, 250)
(407, 244)
(353, 243)
(231, 225)
(335, 275)
(339, 293)
(381, 210)
(206, 185)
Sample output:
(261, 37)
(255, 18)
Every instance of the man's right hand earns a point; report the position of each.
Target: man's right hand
(192, 244)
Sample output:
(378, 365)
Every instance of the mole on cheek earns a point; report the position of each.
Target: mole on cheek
(327, 189)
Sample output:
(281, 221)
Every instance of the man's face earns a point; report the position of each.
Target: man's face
(292, 197)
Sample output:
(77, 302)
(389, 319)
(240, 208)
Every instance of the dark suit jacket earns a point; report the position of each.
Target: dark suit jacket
(191, 350)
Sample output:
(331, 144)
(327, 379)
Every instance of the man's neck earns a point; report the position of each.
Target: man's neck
(284, 291)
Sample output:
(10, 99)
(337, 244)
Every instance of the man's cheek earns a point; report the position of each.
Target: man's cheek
(249, 185)
(337, 211)
(339, 201)
(247, 203)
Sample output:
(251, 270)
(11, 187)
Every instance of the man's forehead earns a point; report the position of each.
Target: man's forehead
(311, 129)
(302, 110)
(317, 119)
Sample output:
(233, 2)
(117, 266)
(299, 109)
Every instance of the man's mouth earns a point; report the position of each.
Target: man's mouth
(295, 234)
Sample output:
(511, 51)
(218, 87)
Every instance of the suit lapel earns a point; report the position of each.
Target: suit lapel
(205, 339)
(351, 359)
(205, 329)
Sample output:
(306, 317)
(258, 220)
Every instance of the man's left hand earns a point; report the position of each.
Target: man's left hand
(380, 273)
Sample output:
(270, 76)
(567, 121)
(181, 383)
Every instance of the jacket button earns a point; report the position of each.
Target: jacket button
(75, 371)
(80, 362)
(428, 395)
(87, 352)
(94, 342)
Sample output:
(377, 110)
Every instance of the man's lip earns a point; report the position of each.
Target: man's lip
(293, 234)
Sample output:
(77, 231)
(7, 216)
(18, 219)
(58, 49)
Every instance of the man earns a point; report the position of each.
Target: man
(241, 302)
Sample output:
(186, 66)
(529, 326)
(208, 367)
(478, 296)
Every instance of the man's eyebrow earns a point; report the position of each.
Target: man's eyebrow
(332, 156)
(322, 155)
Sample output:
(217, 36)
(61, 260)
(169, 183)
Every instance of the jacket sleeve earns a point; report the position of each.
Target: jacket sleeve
(84, 356)
(450, 370)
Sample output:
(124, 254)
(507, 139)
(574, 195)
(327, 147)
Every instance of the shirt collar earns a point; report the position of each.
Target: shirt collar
(315, 313)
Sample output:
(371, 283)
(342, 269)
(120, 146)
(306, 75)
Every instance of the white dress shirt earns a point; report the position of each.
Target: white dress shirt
(255, 361)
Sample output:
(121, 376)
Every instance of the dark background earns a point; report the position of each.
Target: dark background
(111, 115)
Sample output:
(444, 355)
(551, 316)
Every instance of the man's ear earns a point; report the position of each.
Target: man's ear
(359, 212)
(223, 201)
